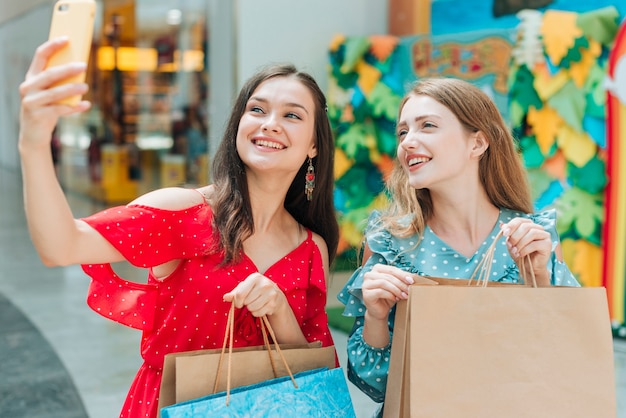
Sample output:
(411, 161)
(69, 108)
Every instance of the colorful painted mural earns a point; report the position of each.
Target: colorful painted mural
(365, 88)
(369, 76)
(558, 111)
(548, 77)
(480, 57)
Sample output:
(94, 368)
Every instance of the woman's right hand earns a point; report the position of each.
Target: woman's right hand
(66, 240)
(383, 286)
(40, 109)
(262, 297)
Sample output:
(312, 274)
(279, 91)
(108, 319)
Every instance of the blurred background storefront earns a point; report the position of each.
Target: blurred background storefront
(162, 76)
(148, 77)
(149, 84)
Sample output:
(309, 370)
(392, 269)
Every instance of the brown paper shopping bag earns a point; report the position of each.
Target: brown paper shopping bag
(190, 375)
(501, 351)
(321, 392)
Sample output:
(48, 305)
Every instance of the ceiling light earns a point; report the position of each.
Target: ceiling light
(174, 17)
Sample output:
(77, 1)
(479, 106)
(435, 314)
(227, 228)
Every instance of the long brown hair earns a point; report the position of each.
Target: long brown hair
(500, 169)
(231, 202)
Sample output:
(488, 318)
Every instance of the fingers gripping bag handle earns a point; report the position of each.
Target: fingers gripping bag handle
(228, 340)
(483, 269)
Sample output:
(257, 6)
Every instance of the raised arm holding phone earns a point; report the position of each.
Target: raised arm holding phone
(262, 235)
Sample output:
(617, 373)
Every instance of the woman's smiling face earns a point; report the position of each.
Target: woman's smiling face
(433, 146)
(276, 130)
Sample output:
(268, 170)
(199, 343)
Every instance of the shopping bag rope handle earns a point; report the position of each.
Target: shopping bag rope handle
(228, 338)
(267, 346)
(483, 269)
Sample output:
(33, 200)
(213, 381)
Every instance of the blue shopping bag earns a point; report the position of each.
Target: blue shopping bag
(319, 393)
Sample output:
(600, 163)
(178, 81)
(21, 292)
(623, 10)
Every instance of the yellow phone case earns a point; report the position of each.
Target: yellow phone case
(75, 20)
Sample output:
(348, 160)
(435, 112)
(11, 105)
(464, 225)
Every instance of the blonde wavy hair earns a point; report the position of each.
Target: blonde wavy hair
(501, 171)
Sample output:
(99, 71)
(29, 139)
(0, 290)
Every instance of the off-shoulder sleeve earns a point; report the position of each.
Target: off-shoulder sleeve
(131, 304)
(147, 236)
(560, 273)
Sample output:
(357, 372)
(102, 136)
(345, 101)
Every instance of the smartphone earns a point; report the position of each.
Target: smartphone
(75, 20)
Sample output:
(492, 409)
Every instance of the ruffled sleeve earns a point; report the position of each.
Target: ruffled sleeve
(131, 304)
(385, 249)
(368, 366)
(146, 237)
(560, 273)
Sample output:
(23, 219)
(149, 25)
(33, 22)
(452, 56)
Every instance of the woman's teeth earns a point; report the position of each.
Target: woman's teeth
(269, 144)
(418, 160)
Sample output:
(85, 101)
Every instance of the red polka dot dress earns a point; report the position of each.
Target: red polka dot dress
(185, 311)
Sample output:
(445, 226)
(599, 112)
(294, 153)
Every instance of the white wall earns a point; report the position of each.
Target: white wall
(300, 31)
(19, 37)
(250, 34)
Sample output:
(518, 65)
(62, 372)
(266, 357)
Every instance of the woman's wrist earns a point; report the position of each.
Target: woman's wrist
(27, 147)
(376, 331)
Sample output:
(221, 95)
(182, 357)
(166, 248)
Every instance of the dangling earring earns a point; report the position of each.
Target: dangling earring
(309, 183)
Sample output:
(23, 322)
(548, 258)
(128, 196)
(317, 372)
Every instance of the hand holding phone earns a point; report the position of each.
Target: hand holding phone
(73, 19)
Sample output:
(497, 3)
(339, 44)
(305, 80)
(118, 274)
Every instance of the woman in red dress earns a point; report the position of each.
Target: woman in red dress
(262, 235)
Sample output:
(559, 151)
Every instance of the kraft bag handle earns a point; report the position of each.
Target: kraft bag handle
(483, 269)
(228, 338)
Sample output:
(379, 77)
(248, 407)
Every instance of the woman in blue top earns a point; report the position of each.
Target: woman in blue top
(457, 182)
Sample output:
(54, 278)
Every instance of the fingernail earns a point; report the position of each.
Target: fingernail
(409, 279)
(404, 295)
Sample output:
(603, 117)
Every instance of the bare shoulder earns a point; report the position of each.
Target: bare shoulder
(321, 244)
(207, 192)
(172, 198)
(323, 249)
